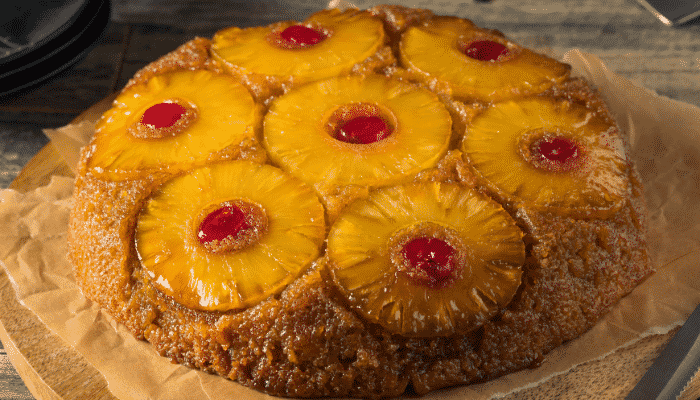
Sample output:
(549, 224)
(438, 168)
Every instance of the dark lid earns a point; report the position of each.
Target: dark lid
(39, 38)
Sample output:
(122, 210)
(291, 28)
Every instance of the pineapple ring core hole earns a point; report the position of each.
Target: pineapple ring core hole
(429, 254)
(487, 48)
(360, 123)
(298, 36)
(163, 120)
(552, 150)
(230, 226)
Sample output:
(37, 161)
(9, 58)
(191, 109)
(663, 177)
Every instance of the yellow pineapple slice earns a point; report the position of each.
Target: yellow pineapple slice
(477, 64)
(329, 43)
(172, 122)
(426, 259)
(357, 130)
(227, 236)
(550, 155)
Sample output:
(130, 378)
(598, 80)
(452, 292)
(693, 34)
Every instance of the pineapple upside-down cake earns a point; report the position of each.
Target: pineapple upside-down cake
(361, 204)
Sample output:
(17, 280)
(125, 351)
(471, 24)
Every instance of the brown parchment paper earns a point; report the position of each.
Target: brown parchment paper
(665, 139)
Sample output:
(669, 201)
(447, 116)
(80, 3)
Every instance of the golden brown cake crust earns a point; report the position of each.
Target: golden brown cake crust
(307, 341)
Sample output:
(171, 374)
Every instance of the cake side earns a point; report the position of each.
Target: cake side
(306, 342)
(314, 337)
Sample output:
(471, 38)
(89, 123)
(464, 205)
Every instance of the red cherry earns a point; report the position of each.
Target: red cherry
(432, 255)
(163, 115)
(559, 149)
(363, 130)
(301, 35)
(222, 223)
(486, 50)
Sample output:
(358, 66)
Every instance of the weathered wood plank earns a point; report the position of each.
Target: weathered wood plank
(44, 360)
(149, 42)
(625, 36)
(12, 387)
(208, 14)
(218, 13)
(18, 144)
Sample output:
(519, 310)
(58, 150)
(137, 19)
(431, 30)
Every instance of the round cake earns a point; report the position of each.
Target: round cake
(366, 203)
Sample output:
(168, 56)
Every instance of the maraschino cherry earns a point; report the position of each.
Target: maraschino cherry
(432, 255)
(559, 150)
(556, 153)
(363, 130)
(163, 115)
(486, 50)
(227, 221)
(300, 35)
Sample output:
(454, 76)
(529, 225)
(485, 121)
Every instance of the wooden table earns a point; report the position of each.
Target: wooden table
(624, 35)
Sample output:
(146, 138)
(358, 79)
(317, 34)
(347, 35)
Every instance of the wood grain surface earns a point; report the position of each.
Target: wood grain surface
(625, 36)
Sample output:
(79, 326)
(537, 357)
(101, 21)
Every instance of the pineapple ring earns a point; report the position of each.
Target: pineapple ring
(224, 115)
(499, 141)
(361, 252)
(350, 37)
(435, 50)
(182, 268)
(317, 157)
